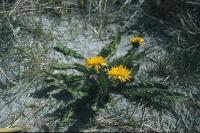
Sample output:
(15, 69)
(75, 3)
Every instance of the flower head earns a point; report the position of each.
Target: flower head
(95, 62)
(136, 41)
(119, 73)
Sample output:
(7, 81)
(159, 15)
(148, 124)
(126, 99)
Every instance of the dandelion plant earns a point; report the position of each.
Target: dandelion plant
(98, 77)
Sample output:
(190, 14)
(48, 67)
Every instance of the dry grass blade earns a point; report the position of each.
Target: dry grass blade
(13, 130)
(193, 3)
(7, 77)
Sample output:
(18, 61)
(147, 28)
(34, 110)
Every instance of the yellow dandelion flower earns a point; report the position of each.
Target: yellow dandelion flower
(95, 62)
(137, 41)
(119, 73)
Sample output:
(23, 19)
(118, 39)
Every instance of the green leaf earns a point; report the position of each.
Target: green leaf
(73, 78)
(147, 98)
(153, 85)
(132, 95)
(62, 66)
(49, 80)
(68, 117)
(77, 93)
(110, 49)
(67, 51)
(176, 98)
(140, 55)
(80, 67)
(160, 85)
(59, 76)
(69, 79)
(156, 95)
(135, 69)
(94, 107)
(55, 84)
(52, 83)
(75, 66)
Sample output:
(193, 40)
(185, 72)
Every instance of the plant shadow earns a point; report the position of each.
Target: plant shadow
(63, 97)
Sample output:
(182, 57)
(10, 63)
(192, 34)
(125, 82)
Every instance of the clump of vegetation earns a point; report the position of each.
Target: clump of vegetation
(180, 27)
(98, 77)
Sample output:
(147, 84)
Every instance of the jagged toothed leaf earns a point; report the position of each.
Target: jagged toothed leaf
(146, 98)
(132, 95)
(75, 66)
(110, 49)
(68, 117)
(135, 69)
(59, 76)
(67, 78)
(137, 56)
(67, 51)
(145, 86)
(166, 96)
(152, 95)
(73, 78)
(175, 98)
(127, 61)
(62, 66)
(77, 93)
(150, 85)
(80, 67)
(50, 80)
(95, 107)
(160, 85)
(52, 83)
(133, 57)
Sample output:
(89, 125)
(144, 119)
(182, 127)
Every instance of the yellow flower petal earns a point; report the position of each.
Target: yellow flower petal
(95, 62)
(120, 73)
(137, 40)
